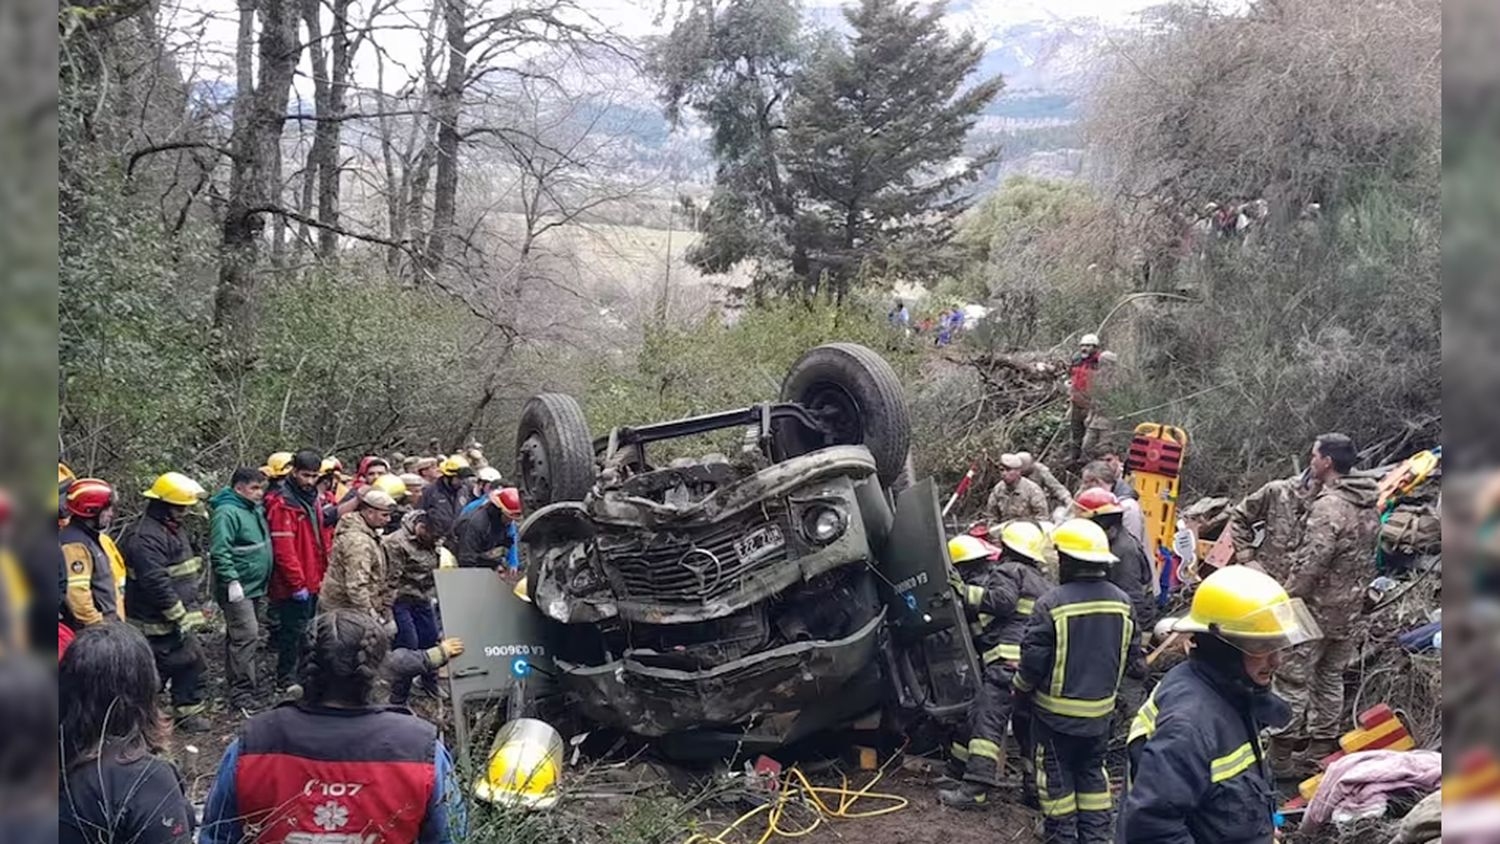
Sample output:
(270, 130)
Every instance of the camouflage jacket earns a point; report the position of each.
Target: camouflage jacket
(1023, 501)
(356, 569)
(410, 565)
(1042, 476)
(1281, 506)
(1333, 565)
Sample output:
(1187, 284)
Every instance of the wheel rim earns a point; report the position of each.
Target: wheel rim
(536, 478)
(836, 408)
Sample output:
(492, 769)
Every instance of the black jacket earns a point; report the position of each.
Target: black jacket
(1133, 575)
(1197, 771)
(443, 505)
(999, 598)
(111, 800)
(162, 575)
(1076, 644)
(483, 541)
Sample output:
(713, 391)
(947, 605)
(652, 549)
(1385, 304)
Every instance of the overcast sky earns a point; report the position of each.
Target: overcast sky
(205, 29)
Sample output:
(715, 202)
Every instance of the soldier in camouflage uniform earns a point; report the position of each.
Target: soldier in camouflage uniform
(1040, 474)
(1281, 506)
(1015, 497)
(1329, 572)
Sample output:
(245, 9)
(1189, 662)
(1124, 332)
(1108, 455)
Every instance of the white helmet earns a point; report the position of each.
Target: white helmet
(1089, 340)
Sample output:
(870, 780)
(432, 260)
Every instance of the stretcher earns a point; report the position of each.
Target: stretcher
(1155, 464)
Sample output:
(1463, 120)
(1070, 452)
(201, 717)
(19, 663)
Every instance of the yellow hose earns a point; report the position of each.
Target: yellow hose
(796, 785)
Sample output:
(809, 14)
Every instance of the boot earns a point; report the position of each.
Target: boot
(193, 724)
(953, 772)
(968, 795)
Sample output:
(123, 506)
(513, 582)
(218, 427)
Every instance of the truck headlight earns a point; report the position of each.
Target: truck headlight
(822, 524)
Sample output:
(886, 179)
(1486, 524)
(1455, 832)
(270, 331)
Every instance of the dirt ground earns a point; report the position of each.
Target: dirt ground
(923, 820)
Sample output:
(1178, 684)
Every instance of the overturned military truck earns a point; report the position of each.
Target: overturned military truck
(737, 600)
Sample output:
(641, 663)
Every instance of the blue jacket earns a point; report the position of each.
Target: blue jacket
(1077, 642)
(1198, 773)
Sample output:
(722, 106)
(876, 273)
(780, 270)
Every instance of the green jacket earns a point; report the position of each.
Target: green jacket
(239, 546)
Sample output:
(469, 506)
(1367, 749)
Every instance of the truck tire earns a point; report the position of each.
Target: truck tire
(856, 392)
(554, 453)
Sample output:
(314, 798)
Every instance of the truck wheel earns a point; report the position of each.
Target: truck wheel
(554, 454)
(857, 395)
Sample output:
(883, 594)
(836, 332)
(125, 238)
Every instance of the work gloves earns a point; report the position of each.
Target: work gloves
(236, 592)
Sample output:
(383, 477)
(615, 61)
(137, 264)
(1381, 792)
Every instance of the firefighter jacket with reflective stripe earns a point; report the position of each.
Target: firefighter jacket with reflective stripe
(306, 773)
(94, 573)
(162, 575)
(999, 599)
(1076, 645)
(1198, 773)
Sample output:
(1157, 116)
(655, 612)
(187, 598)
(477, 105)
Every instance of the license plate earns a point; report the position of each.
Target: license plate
(759, 543)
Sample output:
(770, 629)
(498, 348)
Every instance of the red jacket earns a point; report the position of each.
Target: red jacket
(299, 544)
(1081, 377)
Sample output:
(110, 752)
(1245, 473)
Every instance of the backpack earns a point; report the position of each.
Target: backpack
(1411, 529)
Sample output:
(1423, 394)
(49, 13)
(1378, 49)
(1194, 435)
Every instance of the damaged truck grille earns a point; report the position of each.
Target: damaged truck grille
(693, 567)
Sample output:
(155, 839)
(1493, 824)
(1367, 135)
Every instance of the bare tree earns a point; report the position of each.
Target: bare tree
(259, 113)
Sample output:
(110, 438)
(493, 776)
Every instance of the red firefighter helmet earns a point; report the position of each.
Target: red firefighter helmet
(1096, 502)
(88, 497)
(508, 499)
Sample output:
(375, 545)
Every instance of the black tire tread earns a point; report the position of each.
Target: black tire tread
(570, 449)
(890, 451)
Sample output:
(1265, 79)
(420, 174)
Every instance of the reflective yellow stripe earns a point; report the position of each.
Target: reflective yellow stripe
(1094, 801)
(175, 612)
(974, 594)
(1004, 650)
(1091, 608)
(1061, 807)
(1060, 655)
(1019, 683)
(985, 619)
(191, 621)
(83, 580)
(985, 748)
(1025, 606)
(189, 709)
(1232, 764)
(192, 565)
(154, 628)
(1074, 707)
(1144, 725)
(959, 752)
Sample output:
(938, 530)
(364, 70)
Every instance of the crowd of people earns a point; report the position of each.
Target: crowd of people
(1065, 669)
(341, 571)
(1059, 589)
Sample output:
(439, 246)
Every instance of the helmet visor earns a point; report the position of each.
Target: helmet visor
(1272, 628)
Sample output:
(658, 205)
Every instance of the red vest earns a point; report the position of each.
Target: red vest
(299, 545)
(309, 774)
(1082, 372)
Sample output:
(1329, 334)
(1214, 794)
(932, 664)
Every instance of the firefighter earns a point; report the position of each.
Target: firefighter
(998, 596)
(278, 467)
(1077, 643)
(95, 568)
(444, 499)
(163, 577)
(1197, 769)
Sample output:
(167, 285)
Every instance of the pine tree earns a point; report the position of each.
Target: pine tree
(876, 142)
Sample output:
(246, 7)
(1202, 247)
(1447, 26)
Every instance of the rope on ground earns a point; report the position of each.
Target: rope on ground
(796, 791)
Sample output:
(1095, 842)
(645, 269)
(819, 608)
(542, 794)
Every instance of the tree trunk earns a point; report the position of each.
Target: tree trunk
(449, 105)
(258, 116)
